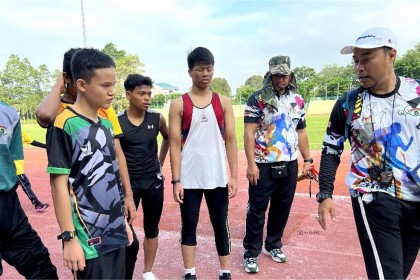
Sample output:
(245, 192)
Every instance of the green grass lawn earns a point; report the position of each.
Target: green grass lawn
(316, 125)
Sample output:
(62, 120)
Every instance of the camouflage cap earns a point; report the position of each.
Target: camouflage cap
(280, 65)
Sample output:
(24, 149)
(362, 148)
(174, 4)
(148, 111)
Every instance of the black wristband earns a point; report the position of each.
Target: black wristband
(173, 182)
(310, 160)
(322, 196)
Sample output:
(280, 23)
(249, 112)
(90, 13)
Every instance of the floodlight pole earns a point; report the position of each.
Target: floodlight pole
(83, 24)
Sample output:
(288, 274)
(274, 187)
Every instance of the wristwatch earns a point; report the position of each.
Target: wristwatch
(66, 235)
(310, 160)
(321, 196)
(173, 182)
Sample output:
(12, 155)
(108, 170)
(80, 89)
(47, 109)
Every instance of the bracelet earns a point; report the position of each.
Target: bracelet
(173, 182)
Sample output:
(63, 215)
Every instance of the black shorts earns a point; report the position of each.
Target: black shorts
(150, 192)
(108, 266)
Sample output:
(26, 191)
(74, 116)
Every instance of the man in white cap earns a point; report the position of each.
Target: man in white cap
(383, 130)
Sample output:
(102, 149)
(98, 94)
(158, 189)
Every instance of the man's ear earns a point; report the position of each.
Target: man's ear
(190, 72)
(393, 55)
(81, 86)
(67, 78)
(128, 95)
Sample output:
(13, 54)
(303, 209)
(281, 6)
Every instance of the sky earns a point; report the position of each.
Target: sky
(242, 35)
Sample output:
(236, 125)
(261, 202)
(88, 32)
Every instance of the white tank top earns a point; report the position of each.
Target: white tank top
(203, 156)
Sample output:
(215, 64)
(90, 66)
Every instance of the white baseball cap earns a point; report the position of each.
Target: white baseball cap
(375, 37)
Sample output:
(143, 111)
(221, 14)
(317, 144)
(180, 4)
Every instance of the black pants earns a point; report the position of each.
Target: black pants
(217, 202)
(108, 266)
(20, 245)
(389, 234)
(279, 192)
(151, 197)
(131, 256)
(23, 181)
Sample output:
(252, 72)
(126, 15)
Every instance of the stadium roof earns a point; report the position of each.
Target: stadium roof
(166, 86)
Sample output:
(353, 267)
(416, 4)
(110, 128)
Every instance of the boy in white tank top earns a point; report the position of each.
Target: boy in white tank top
(199, 146)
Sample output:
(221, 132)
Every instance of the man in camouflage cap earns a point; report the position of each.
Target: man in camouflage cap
(280, 65)
(274, 130)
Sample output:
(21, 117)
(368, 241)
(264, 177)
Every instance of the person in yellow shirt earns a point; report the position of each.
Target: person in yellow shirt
(23, 180)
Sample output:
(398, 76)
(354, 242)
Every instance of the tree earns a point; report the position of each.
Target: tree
(22, 85)
(333, 80)
(44, 78)
(125, 64)
(304, 73)
(111, 50)
(308, 88)
(255, 82)
(158, 100)
(221, 86)
(243, 93)
(409, 64)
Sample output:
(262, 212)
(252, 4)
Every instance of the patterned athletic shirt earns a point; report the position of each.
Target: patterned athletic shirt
(85, 151)
(276, 138)
(385, 132)
(108, 114)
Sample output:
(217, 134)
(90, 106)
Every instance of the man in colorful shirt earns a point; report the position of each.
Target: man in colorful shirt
(274, 131)
(384, 170)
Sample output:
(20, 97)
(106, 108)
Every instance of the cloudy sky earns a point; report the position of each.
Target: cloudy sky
(243, 34)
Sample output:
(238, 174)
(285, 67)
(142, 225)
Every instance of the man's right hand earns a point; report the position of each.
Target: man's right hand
(253, 173)
(178, 191)
(325, 208)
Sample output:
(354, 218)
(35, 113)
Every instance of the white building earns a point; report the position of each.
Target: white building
(164, 88)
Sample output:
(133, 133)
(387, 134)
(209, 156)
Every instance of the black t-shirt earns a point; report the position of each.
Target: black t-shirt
(139, 144)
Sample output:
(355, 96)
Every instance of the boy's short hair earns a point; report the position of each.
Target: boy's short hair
(199, 54)
(85, 61)
(67, 59)
(134, 80)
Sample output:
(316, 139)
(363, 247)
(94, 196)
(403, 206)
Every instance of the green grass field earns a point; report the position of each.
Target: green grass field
(316, 125)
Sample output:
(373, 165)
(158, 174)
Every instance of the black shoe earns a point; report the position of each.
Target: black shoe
(190, 276)
(225, 276)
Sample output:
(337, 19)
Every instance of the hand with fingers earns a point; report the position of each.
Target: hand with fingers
(252, 173)
(73, 255)
(130, 209)
(310, 173)
(232, 187)
(326, 208)
(178, 192)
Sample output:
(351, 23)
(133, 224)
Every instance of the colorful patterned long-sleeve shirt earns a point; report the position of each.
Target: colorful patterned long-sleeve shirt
(384, 133)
